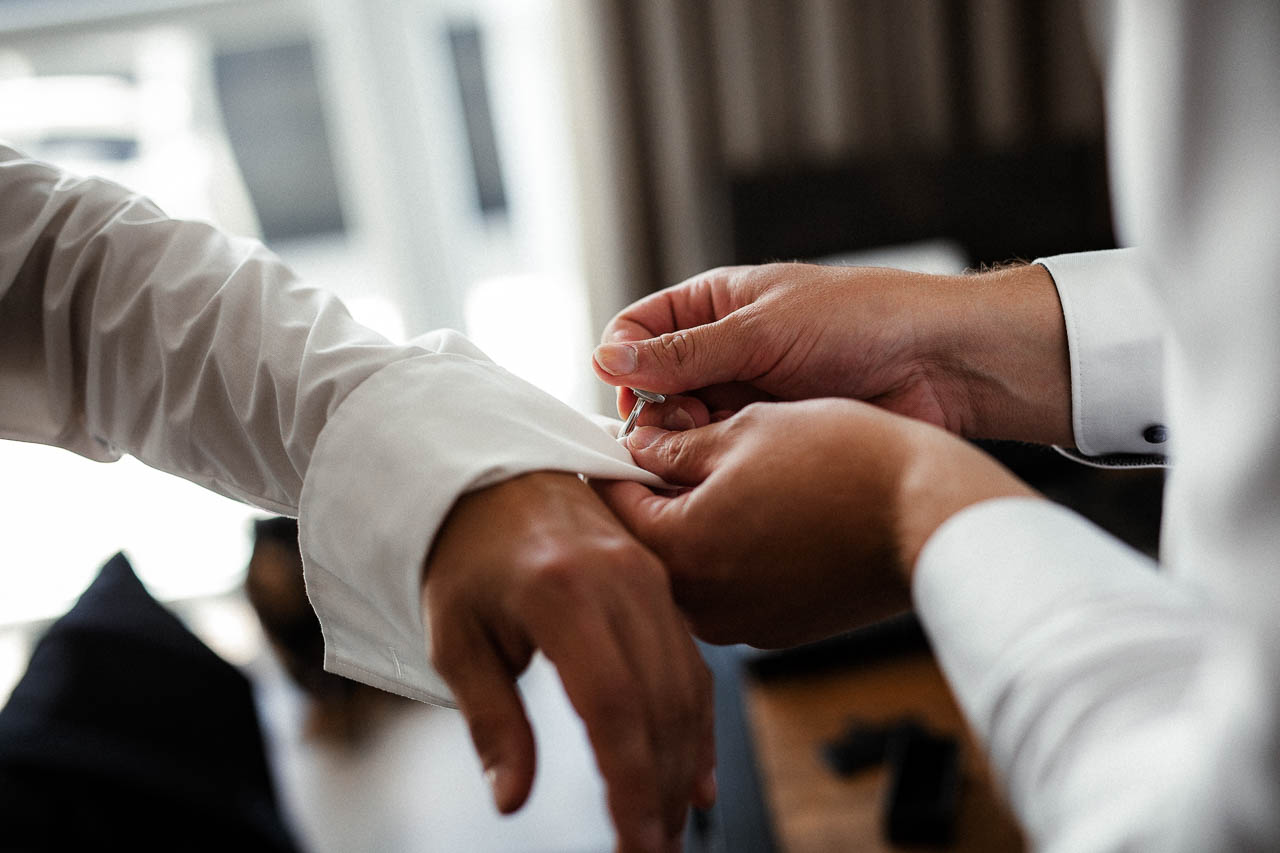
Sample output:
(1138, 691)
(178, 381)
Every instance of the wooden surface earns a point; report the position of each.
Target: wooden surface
(815, 811)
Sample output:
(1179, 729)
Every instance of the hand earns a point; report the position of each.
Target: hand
(538, 562)
(804, 519)
(984, 356)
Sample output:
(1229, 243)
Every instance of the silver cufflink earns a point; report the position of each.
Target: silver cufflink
(643, 398)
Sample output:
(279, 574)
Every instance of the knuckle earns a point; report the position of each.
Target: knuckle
(626, 558)
(569, 575)
(553, 573)
(674, 451)
(750, 417)
(621, 549)
(676, 348)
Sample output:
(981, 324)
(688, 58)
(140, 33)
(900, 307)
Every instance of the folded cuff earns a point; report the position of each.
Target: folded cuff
(386, 470)
(1115, 337)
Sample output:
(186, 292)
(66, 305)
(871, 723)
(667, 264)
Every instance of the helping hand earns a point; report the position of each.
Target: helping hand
(981, 355)
(538, 562)
(804, 519)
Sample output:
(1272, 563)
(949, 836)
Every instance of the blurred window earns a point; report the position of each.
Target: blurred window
(415, 158)
(473, 90)
(274, 119)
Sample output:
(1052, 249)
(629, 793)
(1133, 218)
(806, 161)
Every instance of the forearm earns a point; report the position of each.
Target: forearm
(1066, 351)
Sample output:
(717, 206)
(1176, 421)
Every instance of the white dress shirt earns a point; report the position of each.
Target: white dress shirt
(122, 331)
(1125, 705)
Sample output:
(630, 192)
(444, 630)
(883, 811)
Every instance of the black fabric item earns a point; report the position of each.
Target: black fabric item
(923, 798)
(860, 746)
(126, 728)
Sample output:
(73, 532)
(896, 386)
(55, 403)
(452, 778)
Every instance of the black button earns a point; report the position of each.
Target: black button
(1156, 434)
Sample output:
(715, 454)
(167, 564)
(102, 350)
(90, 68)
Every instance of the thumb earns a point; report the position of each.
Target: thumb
(640, 510)
(487, 697)
(683, 458)
(677, 361)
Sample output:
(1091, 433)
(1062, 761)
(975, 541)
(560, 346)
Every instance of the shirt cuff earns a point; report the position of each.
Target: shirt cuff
(386, 470)
(1115, 338)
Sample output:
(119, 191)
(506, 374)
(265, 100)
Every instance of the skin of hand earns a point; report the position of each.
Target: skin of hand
(983, 355)
(538, 562)
(796, 521)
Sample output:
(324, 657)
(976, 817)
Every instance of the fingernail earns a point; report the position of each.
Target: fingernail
(644, 436)
(497, 782)
(616, 359)
(678, 419)
(491, 777)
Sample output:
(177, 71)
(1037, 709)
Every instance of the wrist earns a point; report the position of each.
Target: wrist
(940, 477)
(1003, 346)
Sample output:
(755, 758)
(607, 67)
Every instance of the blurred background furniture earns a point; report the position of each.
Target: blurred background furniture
(800, 701)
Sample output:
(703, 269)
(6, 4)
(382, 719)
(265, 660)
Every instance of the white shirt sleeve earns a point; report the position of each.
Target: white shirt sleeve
(122, 331)
(1129, 708)
(1074, 686)
(1115, 340)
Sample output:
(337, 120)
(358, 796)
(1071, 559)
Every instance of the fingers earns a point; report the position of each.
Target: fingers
(637, 507)
(677, 689)
(731, 398)
(677, 413)
(686, 411)
(604, 691)
(626, 328)
(599, 605)
(681, 458)
(692, 302)
(676, 361)
(485, 690)
(632, 673)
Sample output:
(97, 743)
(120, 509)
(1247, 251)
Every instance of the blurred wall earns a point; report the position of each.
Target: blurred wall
(684, 106)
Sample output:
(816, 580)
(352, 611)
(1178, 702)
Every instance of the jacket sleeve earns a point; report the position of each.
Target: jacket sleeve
(123, 331)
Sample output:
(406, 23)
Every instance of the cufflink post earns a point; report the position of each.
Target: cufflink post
(643, 398)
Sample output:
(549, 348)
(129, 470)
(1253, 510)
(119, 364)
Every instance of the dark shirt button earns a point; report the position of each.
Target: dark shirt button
(1156, 434)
